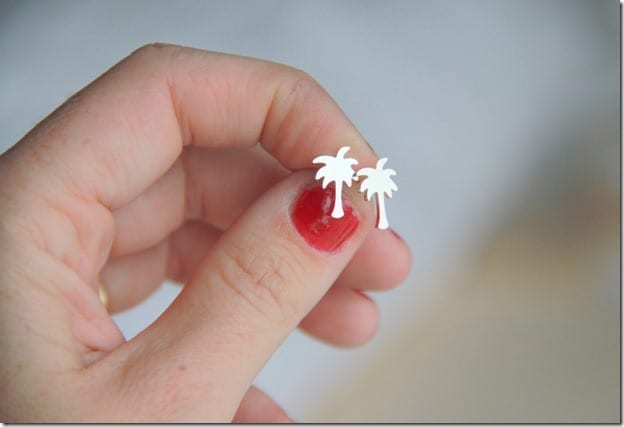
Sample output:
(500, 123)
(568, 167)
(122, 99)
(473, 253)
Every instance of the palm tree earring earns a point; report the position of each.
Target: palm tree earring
(378, 182)
(340, 171)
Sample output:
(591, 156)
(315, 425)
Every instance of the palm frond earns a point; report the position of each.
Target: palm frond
(391, 186)
(342, 151)
(381, 162)
(323, 159)
(365, 187)
(321, 172)
(366, 172)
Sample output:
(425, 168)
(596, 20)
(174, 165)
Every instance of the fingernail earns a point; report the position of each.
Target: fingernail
(312, 218)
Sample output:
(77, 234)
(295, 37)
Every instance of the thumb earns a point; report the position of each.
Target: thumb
(262, 277)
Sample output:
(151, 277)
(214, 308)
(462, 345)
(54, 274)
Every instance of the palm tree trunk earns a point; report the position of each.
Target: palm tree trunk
(382, 221)
(337, 212)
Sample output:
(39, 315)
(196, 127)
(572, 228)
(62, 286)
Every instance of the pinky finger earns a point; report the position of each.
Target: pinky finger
(258, 407)
(344, 317)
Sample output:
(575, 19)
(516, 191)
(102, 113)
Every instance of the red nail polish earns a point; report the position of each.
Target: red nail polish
(312, 218)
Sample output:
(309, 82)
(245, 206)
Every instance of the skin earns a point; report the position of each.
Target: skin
(153, 171)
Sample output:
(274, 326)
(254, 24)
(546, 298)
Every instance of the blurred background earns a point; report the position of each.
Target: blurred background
(502, 120)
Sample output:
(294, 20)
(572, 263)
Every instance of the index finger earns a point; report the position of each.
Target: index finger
(113, 139)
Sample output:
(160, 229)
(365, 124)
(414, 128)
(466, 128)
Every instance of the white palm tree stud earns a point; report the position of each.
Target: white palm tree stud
(340, 171)
(379, 183)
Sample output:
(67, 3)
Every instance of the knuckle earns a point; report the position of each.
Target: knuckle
(299, 114)
(154, 49)
(157, 57)
(261, 278)
(303, 85)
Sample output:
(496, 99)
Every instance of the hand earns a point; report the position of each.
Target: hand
(154, 171)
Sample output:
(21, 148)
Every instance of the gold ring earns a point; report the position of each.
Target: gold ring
(103, 295)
